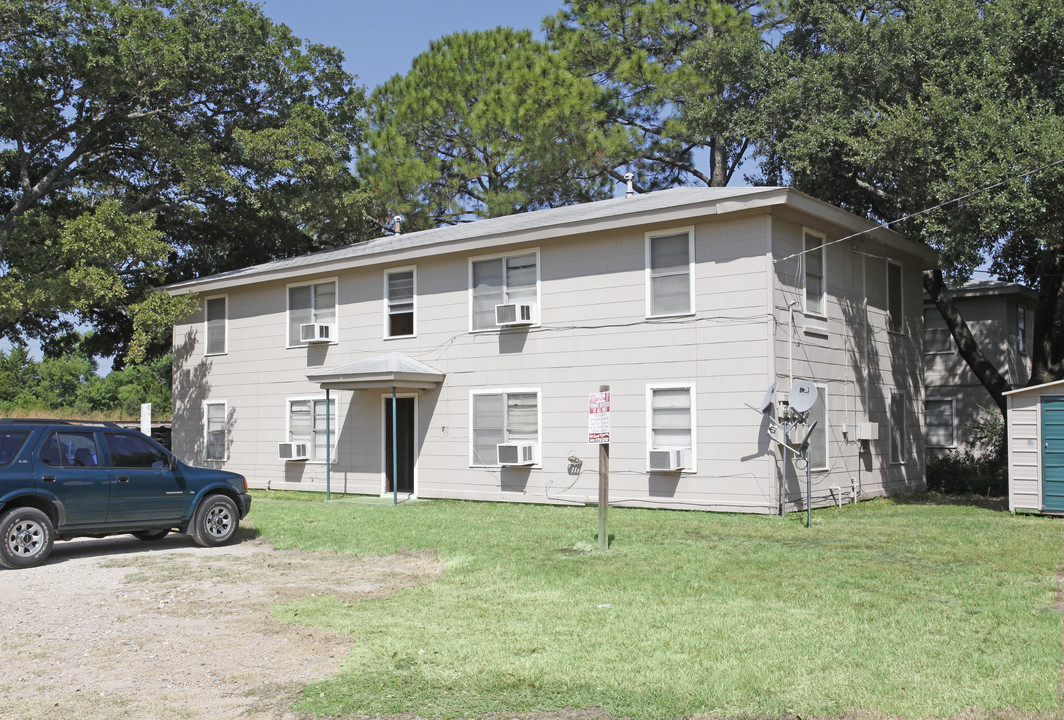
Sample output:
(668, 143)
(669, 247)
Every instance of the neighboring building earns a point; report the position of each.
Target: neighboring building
(1000, 316)
(688, 303)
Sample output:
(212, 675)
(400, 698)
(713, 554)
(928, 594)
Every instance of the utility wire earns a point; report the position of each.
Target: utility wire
(886, 225)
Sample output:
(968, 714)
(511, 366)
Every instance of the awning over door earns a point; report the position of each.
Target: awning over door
(384, 371)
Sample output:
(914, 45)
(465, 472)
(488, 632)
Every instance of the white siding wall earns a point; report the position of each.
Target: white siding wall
(1025, 454)
(593, 331)
(853, 354)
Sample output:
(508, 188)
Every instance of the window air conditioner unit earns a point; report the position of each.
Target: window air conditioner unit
(316, 332)
(670, 459)
(513, 314)
(521, 453)
(293, 451)
(868, 431)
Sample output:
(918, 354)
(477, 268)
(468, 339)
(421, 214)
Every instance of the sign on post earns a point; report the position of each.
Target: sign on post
(598, 433)
(145, 419)
(598, 419)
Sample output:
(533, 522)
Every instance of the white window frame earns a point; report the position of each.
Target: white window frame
(821, 430)
(693, 390)
(505, 290)
(901, 298)
(953, 418)
(412, 269)
(207, 325)
(334, 430)
(505, 432)
(313, 311)
(649, 237)
(898, 451)
(207, 430)
(822, 252)
(1021, 329)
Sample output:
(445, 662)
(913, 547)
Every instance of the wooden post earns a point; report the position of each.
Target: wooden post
(604, 491)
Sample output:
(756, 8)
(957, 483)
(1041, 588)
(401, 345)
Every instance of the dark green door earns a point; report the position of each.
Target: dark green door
(1053, 454)
(405, 436)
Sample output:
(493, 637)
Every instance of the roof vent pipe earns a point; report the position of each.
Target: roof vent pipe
(628, 177)
(398, 220)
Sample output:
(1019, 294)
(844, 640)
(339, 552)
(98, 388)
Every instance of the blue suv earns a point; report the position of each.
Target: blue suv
(62, 479)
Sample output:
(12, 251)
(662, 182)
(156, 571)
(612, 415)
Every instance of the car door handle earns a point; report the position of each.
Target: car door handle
(123, 478)
(48, 478)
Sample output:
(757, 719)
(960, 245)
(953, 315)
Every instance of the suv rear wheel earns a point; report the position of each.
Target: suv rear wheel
(216, 521)
(26, 536)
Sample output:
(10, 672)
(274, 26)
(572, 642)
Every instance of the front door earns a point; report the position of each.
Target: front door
(399, 468)
(1053, 454)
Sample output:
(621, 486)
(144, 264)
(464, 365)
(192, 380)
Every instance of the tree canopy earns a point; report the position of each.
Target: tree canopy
(484, 124)
(152, 140)
(934, 112)
(675, 73)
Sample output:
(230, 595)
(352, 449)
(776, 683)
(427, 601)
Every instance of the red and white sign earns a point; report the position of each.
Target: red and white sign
(598, 419)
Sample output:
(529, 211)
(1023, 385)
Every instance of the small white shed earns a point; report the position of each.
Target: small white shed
(1036, 448)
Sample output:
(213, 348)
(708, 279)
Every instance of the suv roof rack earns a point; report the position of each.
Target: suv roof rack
(55, 421)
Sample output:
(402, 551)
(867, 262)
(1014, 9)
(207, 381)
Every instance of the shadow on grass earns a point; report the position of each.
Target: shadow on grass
(998, 504)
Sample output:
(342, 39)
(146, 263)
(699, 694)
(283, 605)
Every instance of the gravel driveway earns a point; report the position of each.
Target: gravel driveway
(119, 628)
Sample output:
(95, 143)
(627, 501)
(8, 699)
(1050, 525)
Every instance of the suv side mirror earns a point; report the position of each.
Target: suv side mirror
(173, 462)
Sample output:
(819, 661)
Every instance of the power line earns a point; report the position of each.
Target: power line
(886, 225)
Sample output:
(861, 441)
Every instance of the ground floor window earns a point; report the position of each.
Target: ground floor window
(897, 427)
(940, 422)
(818, 439)
(307, 424)
(671, 422)
(503, 416)
(216, 442)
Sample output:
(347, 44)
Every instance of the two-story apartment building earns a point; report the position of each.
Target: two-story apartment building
(1000, 316)
(458, 362)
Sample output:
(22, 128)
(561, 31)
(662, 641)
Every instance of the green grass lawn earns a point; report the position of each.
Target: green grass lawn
(908, 608)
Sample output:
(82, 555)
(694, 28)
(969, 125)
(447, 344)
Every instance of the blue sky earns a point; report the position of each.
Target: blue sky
(379, 39)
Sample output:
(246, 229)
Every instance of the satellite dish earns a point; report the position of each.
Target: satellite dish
(802, 396)
(769, 400)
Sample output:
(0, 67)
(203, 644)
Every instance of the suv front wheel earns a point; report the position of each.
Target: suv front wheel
(216, 521)
(26, 536)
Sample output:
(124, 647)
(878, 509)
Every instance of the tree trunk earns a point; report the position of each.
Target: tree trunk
(988, 375)
(1047, 332)
(718, 156)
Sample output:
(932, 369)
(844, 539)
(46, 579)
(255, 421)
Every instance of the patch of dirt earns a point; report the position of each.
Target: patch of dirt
(118, 628)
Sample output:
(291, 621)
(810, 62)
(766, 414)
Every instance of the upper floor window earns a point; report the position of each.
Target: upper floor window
(940, 422)
(399, 288)
(217, 312)
(310, 306)
(502, 281)
(937, 339)
(895, 316)
(671, 421)
(669, 259)
(505, 416)
(215, 445)
(1021, 328)
(813, 266)
(897, 427)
